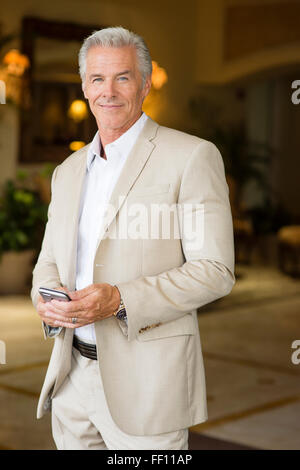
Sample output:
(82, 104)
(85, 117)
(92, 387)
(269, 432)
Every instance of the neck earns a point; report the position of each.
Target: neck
(107, 136)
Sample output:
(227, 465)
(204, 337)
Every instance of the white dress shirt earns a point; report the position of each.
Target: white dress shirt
(101, 177)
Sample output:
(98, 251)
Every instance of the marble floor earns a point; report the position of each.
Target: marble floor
(252, 385)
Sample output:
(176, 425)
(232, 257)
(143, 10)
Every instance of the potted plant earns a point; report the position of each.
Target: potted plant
(23, 215)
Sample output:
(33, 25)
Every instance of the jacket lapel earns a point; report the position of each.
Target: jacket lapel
(133, 166)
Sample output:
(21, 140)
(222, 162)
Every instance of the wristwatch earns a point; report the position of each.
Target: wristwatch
(121, 312)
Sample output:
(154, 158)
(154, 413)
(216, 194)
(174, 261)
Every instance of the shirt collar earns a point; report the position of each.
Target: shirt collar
(123, 144)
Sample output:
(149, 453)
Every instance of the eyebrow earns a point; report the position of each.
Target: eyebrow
(126, 72)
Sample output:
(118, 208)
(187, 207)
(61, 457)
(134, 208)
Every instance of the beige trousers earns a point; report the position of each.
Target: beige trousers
(81, 419)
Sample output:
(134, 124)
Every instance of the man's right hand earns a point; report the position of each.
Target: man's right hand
(42, 307)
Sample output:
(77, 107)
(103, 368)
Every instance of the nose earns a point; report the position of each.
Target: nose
(108, 90)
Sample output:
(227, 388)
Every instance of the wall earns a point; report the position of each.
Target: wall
(270, 27)
(168, 27)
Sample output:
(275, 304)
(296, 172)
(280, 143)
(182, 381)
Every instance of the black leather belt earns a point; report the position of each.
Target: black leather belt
(85, 349)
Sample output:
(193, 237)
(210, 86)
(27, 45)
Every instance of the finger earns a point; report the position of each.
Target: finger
(65, 324)
(42, 305)
(59, 320)
(52, 317)
(68, 309)
(80, 294)
(40, 300)
(62, 315)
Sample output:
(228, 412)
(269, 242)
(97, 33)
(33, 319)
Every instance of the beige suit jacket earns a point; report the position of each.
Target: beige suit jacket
(153, 372)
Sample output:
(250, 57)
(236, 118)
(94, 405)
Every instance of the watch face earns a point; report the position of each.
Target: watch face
(121, 314)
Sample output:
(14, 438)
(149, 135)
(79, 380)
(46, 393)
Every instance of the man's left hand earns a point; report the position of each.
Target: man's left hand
(93, 303)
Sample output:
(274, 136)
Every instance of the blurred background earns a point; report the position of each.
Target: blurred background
(226, 71)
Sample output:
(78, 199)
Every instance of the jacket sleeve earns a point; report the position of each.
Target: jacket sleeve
(208, 271)
(45, 273)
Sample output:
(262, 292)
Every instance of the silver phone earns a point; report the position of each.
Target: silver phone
(49, 294)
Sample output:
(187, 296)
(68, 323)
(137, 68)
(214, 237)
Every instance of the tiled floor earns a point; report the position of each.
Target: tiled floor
(253, 387)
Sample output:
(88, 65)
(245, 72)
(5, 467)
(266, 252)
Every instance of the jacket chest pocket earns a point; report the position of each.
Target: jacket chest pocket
(144, 207)
(149, 190)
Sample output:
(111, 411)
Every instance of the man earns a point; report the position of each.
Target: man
(126, 371)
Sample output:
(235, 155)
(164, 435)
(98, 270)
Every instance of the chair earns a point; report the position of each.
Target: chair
(289, 249)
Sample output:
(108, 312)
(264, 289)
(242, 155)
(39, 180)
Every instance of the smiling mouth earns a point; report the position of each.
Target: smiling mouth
(110, 106)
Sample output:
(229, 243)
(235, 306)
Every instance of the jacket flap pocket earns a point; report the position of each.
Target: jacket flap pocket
(182, 326)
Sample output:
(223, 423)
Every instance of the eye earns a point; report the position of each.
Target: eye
(98, 79)
(123, 79)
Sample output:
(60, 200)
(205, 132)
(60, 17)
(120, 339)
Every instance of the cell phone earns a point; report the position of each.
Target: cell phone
(49, 294)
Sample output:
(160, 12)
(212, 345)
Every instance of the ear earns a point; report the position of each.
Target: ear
(84, 89)
(147, 86)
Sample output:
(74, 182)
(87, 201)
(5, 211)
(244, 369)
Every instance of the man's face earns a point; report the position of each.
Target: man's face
(113, 87)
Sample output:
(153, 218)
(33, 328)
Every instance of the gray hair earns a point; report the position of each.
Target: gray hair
(117, 37)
